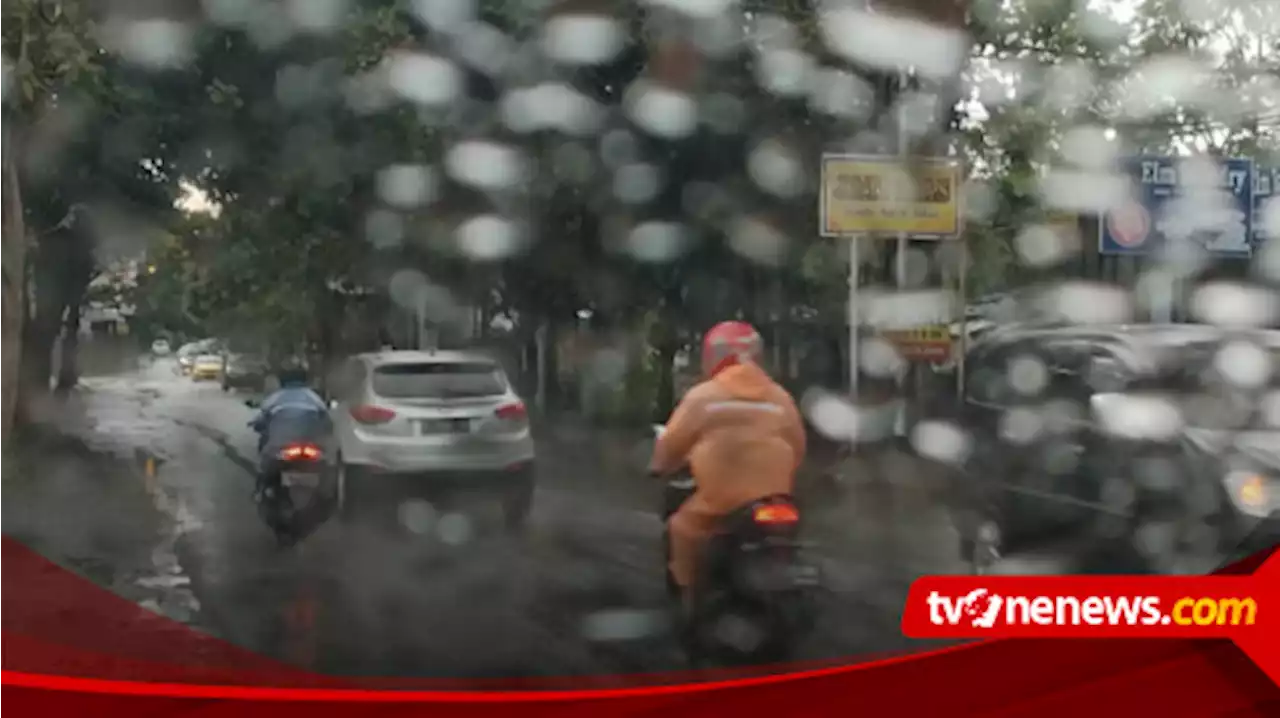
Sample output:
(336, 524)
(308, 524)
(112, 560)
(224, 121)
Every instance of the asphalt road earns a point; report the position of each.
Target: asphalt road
(443, 592)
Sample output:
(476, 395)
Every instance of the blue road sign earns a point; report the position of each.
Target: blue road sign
(1157, 210)
(1266, 188)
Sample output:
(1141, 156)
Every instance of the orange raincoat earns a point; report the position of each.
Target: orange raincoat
(742, 436)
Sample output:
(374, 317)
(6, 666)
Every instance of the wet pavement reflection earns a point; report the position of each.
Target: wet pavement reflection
(441, 589)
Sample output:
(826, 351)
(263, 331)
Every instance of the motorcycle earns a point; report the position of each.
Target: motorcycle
(752, 597)
(306, 490)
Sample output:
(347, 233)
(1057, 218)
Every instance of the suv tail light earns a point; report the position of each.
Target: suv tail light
(300, 452)
(512, 412)
(372, 414)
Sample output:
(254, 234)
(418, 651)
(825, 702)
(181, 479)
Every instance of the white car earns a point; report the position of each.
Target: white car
(160, 347)
(413, 422)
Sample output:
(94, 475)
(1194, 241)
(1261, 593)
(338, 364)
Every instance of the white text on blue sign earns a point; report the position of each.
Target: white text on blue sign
(1156, 172)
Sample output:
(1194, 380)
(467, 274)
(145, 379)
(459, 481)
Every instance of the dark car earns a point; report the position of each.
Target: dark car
(244, 371)
(1144, 448)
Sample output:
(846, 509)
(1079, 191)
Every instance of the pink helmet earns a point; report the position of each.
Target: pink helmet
(730, 343)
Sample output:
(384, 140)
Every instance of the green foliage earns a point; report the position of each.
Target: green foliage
(267, 133)
(52, 49)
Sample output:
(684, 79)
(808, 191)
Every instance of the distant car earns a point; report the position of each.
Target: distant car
(413, 422)
(188, 353)
(243, 371)
(207, 367)
(160, 347)
(187, 356)
(1085, 435)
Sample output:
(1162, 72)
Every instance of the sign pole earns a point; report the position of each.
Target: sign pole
(1163, 292)
(855, 320)
(964, 320)
(900, 424)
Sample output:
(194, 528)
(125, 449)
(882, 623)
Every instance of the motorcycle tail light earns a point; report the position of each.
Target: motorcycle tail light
(774, 514)
(300, 452)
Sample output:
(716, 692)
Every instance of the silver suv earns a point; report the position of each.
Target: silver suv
(412, 422)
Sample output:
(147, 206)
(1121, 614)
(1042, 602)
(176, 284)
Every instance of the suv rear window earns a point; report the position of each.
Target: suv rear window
(438, 380)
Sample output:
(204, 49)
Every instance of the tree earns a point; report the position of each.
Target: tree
(49, 51)
(293, 159)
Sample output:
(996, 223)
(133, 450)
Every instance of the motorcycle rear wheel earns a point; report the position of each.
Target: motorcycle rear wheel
(703, 650)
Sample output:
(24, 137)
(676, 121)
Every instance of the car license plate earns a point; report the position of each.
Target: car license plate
(445, 426)
(297, 479)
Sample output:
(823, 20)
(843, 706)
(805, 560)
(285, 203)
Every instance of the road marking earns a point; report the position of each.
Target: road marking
(149, 474)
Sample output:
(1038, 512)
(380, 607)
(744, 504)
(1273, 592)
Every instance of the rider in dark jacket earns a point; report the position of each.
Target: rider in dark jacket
(294, 412)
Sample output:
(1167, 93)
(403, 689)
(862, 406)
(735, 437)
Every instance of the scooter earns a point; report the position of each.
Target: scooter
(752, 598)
(306, 489)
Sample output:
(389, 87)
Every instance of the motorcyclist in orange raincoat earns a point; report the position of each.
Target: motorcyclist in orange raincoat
(740, 433)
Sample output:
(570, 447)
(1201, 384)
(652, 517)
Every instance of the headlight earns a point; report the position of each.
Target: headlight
(1253, 493)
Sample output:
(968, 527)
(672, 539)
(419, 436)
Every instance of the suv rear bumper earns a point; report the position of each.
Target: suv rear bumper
(372, 483)
(496, 457)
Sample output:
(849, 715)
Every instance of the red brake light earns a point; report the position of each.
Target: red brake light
(775, 514)
(512, 412)
(372, 414)
(300, 452)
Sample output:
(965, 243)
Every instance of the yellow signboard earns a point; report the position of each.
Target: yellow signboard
(929, 343)
(880, 195)
(1066, 225)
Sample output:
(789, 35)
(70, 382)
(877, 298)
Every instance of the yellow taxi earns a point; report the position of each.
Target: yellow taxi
(207, 367)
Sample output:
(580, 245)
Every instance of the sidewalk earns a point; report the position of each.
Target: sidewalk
(91, 513)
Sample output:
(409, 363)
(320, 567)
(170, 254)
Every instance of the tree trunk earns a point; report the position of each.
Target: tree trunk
(540, 366)
(62, 262)
(665, 399)
(36, 364)
(666, 342)
(69, 360)
(14, 278)
(555, 391)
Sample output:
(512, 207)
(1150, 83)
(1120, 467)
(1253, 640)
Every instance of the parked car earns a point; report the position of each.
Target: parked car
(414, 422)
(160, 347)
(1119, 448)
(207, 366)
(244, 371)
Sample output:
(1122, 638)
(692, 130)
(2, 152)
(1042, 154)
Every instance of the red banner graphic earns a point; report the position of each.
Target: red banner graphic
(72, 647)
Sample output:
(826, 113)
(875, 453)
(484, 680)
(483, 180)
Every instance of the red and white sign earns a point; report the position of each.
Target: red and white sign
(1129, 224)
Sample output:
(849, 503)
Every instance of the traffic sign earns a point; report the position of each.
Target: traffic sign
(1161, 210)
(1266, 188)
(880, 196)
(926, 344)
(1129, 225)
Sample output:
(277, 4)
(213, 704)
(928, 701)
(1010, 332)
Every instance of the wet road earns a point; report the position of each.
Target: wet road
(444, 592)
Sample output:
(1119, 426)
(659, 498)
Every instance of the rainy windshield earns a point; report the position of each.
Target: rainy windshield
(566, 198)
(1227, 387)
(437, 381)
